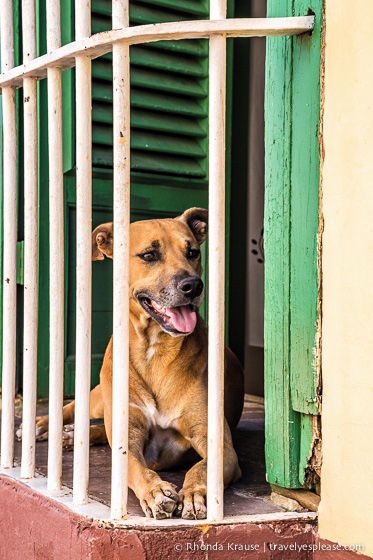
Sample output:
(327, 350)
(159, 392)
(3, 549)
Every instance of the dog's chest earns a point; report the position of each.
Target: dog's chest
(155, 419)
(162, 448)
(152, 347)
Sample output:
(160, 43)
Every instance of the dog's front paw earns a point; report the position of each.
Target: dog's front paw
(68, 437)
(160, 501)
(192, 503)
(41, 430)
(42, 423)
(19, 433)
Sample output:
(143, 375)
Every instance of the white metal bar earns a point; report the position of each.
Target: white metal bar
(121, 145)
(10, 239)
(101, 43)
(56, 253)
(83, 256)
(30, 245)
(217, 93)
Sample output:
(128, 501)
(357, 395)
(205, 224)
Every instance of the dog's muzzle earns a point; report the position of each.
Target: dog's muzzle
(174, 308)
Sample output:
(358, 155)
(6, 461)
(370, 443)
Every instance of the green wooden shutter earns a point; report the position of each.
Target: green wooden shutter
(169, 91)
(292, 108)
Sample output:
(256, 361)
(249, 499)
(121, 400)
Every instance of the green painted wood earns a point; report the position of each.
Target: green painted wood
(173, 124)
(178, 166)
(152, 142)
(180, 64)
(160, 81)
(20, 262)
(195, 7)
(287, 153)
(192, 47)
(281, 423)
(151, 100)
(305, 445)
(68, 89)
(305, 172)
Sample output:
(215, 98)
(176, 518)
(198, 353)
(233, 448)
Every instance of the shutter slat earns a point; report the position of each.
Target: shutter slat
(168, 93)
(102, 70)
(185, 46)
(194, 7)
(102, 156)
(190, 7)
(139, 15)
(159, 60)
(173, 124)
(148, 141)
(150, 100)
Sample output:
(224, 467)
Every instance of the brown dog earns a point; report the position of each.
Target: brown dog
(168, 367)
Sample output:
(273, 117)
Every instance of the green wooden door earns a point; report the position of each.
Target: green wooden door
(292, 312)
(169, 124)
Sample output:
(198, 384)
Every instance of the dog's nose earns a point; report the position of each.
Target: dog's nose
(191, 287)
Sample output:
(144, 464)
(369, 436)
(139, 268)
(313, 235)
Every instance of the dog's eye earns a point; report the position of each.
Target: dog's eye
(148, 257)
(193, 253)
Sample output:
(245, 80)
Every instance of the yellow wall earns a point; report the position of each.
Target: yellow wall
(346, 512)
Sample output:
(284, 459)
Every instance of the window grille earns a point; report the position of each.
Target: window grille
(79, 54)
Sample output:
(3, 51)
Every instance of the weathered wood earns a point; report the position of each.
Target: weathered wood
(305, 173)
(291, 225)
(282, 423)
(101, 43)
(307, 499)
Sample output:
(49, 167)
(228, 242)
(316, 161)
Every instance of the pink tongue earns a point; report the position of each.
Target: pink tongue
(182, 318)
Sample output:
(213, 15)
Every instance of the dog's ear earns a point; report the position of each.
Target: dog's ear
(102, 242)
(197, 220)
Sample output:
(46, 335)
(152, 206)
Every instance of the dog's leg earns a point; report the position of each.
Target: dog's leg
(96, 410)
(97, 434)
(157, 498)
(193, 494)
(42, 422)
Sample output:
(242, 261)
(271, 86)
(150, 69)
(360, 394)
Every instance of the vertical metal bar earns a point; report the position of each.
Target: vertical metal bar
(56, 253)
(31, 245)
(217, 91)
(121, 142)
(83, 256)
(10, 239)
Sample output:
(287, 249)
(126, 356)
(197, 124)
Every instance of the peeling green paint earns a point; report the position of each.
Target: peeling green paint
(292, 108)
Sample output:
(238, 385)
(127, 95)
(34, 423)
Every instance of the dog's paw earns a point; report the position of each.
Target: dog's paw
(68, 436)
(192, 503)
(19, 433)
(42, 428)
(160, 501)
(40, 433)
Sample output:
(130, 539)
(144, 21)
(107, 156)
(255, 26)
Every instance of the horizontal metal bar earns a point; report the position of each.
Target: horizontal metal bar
(101, 43)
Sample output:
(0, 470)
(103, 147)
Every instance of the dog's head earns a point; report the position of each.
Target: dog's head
(165, 267)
